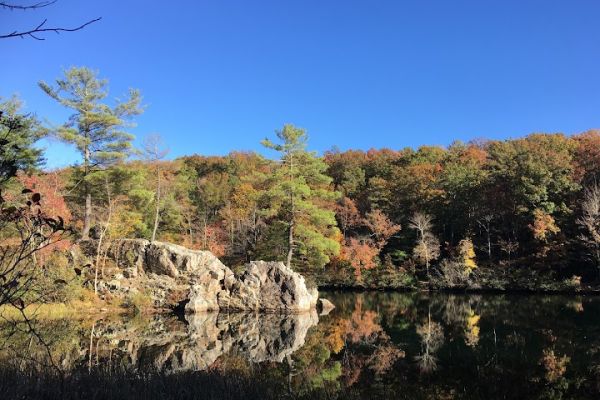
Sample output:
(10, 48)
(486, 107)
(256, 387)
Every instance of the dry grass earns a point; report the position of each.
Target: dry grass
(85, 308)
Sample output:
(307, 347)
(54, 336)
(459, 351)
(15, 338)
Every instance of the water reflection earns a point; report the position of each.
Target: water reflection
(198, 343)
(372, 344)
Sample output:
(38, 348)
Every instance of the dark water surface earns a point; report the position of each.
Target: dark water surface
(386, 345)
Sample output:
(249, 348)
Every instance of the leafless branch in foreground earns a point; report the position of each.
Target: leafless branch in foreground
(41, 28)
(40, 4)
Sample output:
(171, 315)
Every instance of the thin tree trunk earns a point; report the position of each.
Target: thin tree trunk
(102, 234)
(190, 230)
(91, 346)
(293, 218)
(290, 245)
(157, 214)
(204, 244)
(87, 214)
(426, 258)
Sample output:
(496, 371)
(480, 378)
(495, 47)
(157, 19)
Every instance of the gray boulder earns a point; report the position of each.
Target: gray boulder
(173, 276)
(267, 286)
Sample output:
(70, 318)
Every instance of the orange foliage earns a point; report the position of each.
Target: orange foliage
(474, 154)
(50, 187)
(363, 326)
(216, 239)
(587, 153)
(347, 214)
(361, 255)
(381, 226)
(554, 365)
(543, 225)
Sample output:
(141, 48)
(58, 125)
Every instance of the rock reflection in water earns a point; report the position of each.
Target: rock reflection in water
(198, 343)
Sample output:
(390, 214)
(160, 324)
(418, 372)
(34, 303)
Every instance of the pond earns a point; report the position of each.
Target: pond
(372, 345)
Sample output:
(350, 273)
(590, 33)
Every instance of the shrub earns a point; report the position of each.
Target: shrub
(451, 274)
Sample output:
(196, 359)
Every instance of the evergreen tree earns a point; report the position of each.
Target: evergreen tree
(18, 133)
(296, 198)
(95, 128)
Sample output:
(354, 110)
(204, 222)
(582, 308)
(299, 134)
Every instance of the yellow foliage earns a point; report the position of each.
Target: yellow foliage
(467, 254)
(554, 365)
(543, 225)
(472, 329)
(124, 221)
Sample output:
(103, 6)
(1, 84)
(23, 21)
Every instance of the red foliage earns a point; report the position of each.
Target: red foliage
(216, 239)
(361, 254)
(381, 226)
(347, 214)
(587, 153)
(51, 187)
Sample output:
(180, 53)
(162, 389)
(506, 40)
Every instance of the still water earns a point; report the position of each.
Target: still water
(402, 345)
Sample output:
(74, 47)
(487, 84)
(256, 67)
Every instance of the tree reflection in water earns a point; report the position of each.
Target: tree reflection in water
(432, 338)
(371, 345)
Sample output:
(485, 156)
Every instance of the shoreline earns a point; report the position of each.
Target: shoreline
(350, 288)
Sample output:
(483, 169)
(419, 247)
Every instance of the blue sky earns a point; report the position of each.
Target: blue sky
(221, 75)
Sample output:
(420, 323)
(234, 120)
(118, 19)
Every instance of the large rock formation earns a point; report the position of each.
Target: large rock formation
(173, 276)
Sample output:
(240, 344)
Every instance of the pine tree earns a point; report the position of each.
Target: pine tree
(18, 133)
(95, 128)
(296, 198)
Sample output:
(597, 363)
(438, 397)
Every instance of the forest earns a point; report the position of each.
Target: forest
(520, 214)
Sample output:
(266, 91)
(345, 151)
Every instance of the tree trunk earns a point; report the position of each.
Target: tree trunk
(157, 214)
(290, 245)
(293, 218)
(204, 242)
(87, 213)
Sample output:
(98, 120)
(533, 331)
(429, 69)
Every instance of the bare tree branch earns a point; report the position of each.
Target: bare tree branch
(40, 29)
(34, 33)
(41, 4)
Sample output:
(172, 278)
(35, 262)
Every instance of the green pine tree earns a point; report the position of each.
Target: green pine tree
(95, 128)
(297, 193)
(18, 133)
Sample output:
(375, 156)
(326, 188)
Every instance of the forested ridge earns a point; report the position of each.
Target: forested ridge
(482, 214)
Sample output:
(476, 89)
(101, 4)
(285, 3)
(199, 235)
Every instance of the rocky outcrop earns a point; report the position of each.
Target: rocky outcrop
(174, 276)
(266, 286)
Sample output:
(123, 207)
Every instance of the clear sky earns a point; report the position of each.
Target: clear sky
(221, 75)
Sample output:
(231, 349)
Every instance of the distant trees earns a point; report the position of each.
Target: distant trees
(515, 202)
(298, 191)
(95, 128)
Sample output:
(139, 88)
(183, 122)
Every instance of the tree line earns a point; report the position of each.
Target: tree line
(526, 203)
